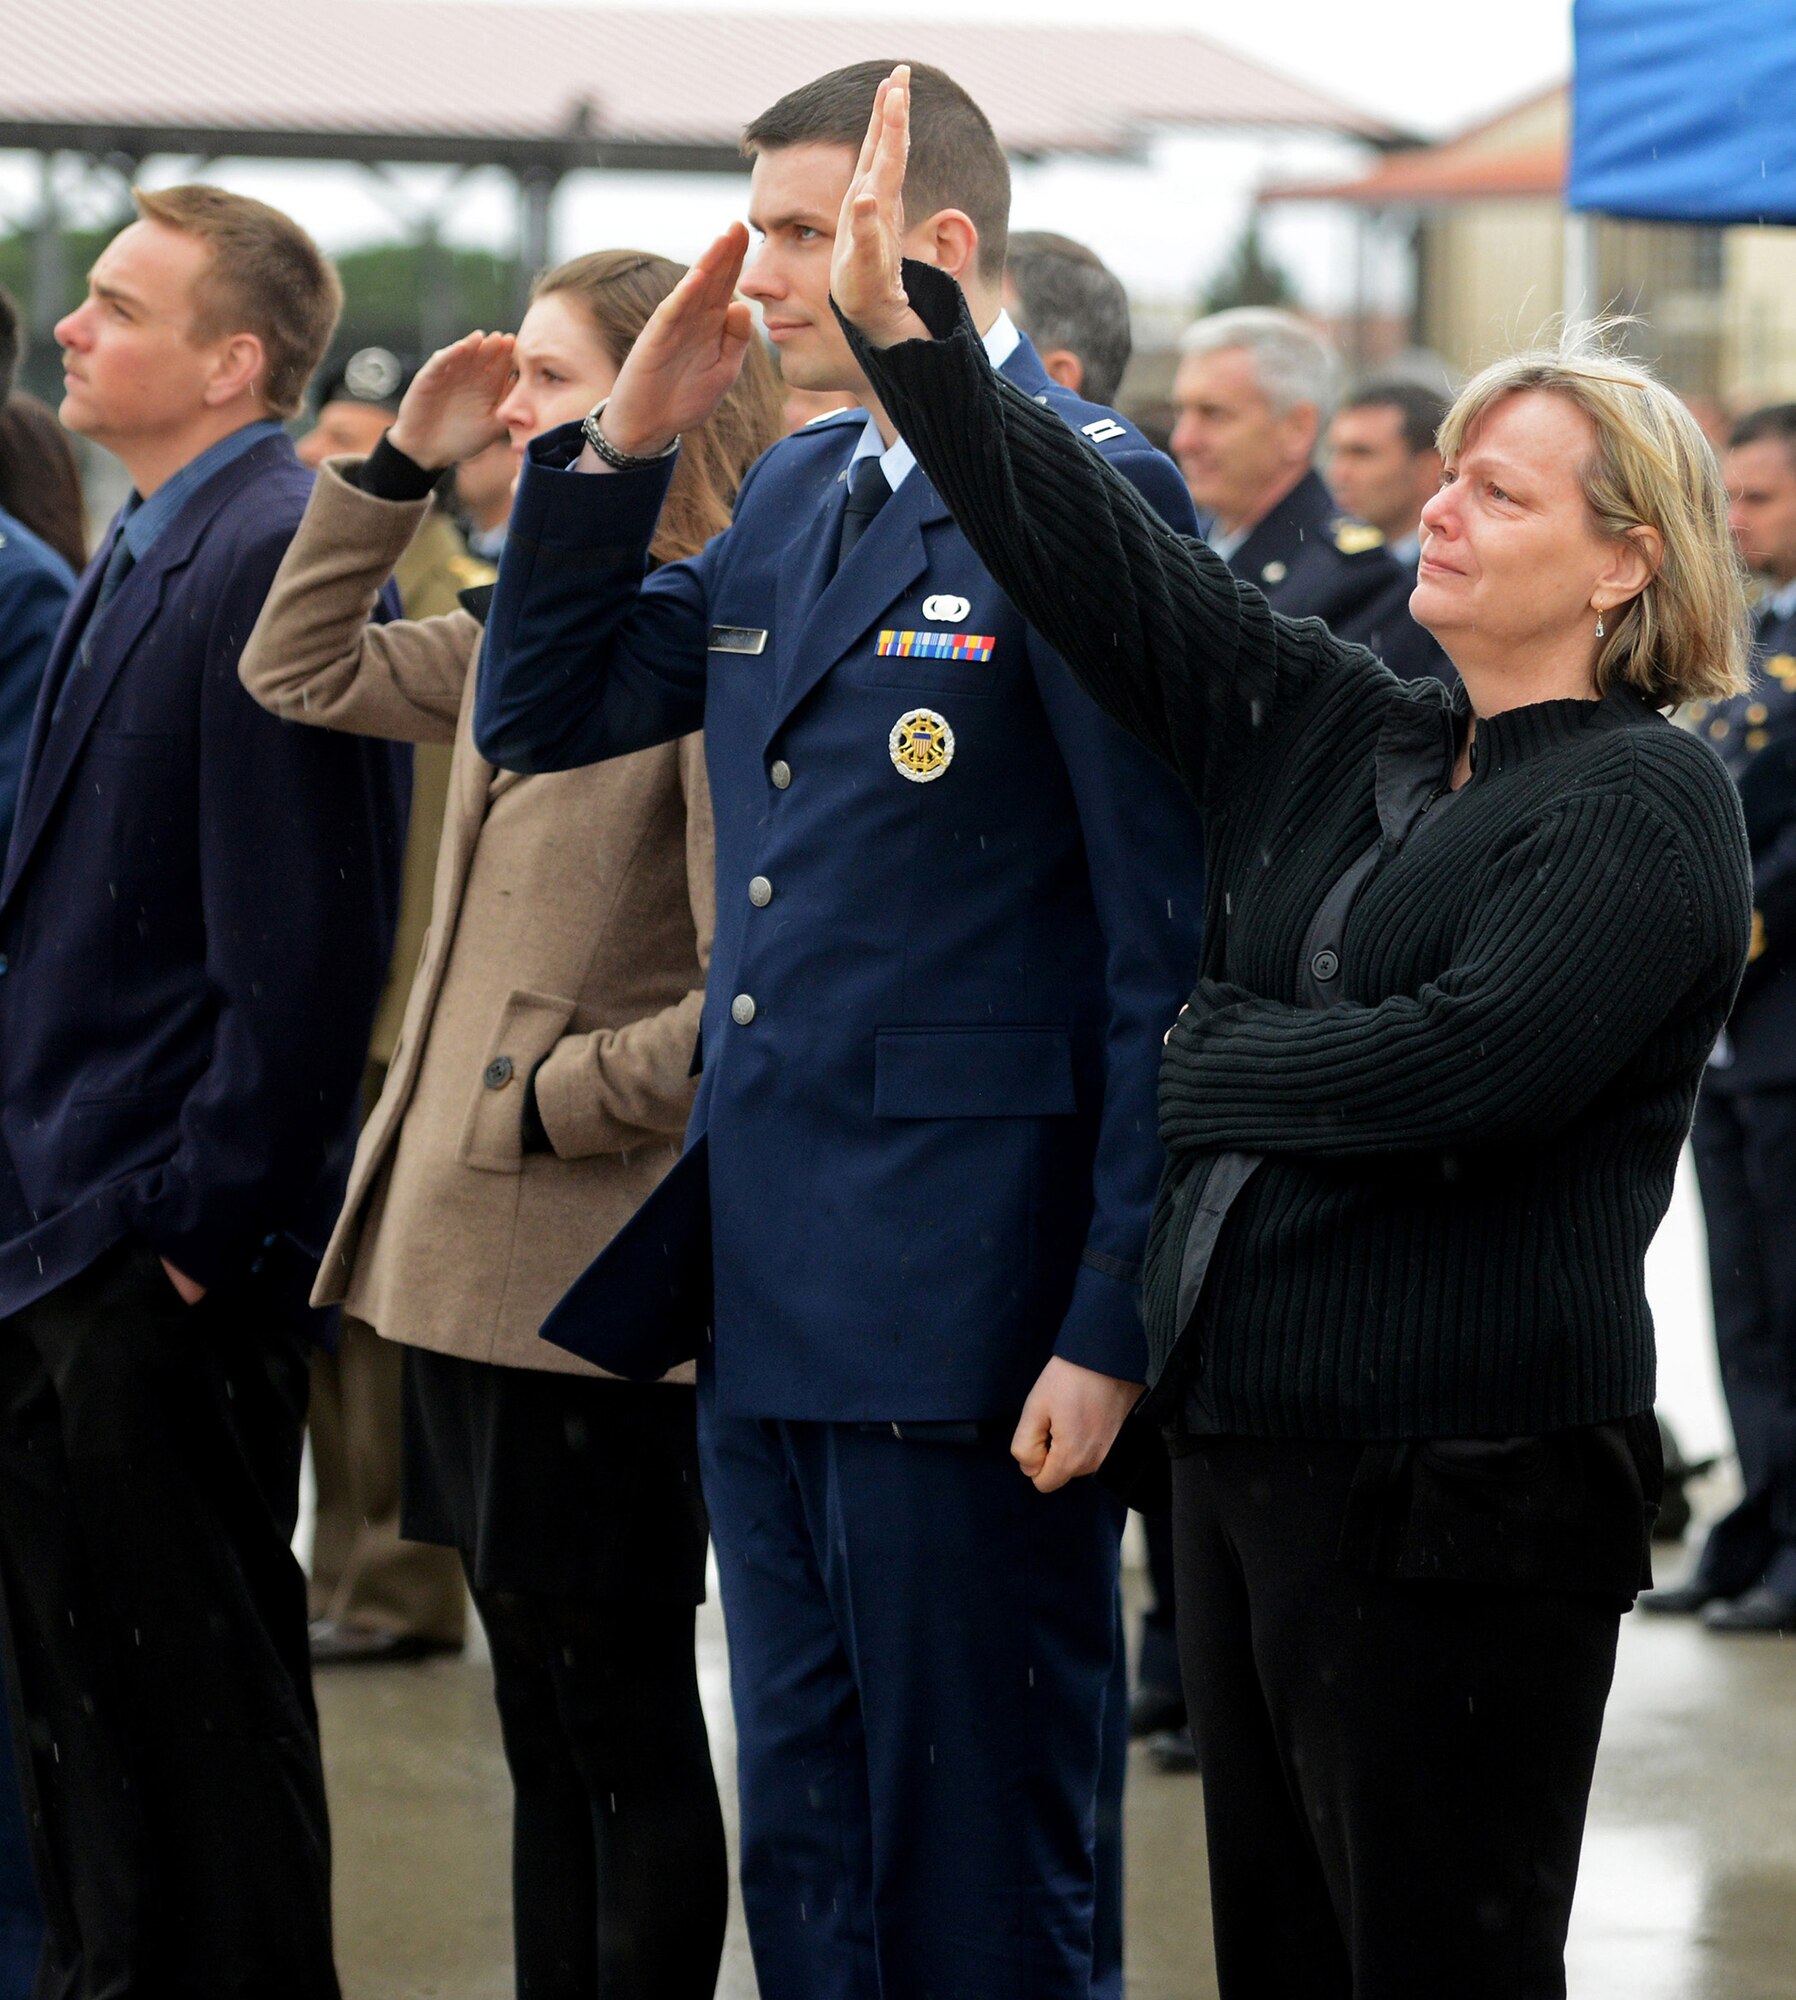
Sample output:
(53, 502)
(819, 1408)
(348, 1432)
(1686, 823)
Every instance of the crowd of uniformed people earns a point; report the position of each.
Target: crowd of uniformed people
(721, 923)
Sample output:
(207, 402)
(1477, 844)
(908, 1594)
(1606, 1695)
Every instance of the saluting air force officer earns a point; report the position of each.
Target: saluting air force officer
(1745, 1132)
(1252, 393)
(956, 909)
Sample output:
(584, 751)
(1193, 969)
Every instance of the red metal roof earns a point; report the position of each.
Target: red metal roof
(609, 80)
(1427, 176)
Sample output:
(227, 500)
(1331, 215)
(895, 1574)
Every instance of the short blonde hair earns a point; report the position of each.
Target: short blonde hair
(267, 277)
(1685, 637)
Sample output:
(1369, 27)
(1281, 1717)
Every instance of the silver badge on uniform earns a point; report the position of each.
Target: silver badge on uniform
(945, 610)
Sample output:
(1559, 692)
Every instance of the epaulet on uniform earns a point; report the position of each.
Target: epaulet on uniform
(1092, 421)
(1356, 538)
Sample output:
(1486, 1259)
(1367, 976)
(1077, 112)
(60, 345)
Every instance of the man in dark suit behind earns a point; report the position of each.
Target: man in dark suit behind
(195, 919)
(1251, 396)
(1745, 1133)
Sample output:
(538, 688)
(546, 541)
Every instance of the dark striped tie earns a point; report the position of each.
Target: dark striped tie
(868, 491)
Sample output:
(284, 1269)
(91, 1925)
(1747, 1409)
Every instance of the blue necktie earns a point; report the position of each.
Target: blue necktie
(118, 566)
(868, 491)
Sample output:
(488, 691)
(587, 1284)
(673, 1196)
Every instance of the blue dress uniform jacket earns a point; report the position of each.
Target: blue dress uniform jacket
(195, 920)
(925, 1145)
(1755, 735)
(1312, 561)
(35, 586)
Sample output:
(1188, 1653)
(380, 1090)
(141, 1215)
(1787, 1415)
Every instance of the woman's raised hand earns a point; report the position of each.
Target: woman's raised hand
(451, 410)
(687, 357)
(867, 273)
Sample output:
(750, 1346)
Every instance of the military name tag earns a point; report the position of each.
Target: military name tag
(922, 745)
(736, 639)
(935, 645)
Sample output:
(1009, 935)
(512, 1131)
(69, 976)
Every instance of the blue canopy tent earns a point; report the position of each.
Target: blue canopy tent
(1682, 110)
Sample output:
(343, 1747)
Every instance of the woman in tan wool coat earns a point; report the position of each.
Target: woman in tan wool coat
(538, 1091)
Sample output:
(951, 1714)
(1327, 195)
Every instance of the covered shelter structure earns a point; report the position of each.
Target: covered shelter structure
(1496, 251)
(544, 91)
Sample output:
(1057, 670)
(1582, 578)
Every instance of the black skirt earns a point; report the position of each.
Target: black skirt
(566, 1484)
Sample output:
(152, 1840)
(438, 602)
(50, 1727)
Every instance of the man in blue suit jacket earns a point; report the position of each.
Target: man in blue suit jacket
(956, 911)
(195, 919)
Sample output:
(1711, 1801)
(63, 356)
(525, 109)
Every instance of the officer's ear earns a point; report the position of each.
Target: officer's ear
(1301, 427)
(1065, 367)
(949, 240)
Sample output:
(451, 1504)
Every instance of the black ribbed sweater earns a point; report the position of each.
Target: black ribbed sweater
(1464, 1157)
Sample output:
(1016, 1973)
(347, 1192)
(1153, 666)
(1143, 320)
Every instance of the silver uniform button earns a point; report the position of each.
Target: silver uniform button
(742, 1009)
(760, 892)
(781, 774)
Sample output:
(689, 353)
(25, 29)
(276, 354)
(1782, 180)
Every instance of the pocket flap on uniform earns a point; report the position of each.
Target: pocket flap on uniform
(973, 1073)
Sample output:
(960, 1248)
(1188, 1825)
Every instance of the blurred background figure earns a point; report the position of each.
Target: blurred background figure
(1253, 391)
(1383, 466)
(356, 402)
(35, 586)
(40, 480)
(1074, 309)
(374, 1596)
(35, 583)
(482, 489)
(1745, 1131)
(1712, 418)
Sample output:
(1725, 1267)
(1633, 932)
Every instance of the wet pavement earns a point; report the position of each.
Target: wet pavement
(1688, 1889)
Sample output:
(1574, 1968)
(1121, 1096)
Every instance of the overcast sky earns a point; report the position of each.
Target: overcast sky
(1420, 63)
(1165, 225)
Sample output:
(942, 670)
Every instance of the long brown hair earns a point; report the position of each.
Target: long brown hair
(619, 290)
(40, 482)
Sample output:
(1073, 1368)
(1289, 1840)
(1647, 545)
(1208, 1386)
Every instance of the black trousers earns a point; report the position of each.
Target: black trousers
(1395, 1770)
(619, 1881)
(155, 1625)
(1745, 1146)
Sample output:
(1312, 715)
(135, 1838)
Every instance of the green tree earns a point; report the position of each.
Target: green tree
(1248, 276)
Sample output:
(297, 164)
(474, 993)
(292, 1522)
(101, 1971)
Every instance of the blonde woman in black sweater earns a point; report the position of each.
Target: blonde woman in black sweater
(1465, 955)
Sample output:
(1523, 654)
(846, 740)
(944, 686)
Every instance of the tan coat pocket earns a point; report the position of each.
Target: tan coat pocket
(529, 1026)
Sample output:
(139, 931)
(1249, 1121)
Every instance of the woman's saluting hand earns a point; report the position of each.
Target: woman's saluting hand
(451, 410)
(867, 273)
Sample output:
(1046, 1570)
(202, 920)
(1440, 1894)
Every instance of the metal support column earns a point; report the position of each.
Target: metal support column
(1579, 279)
(536, 219)
(49, 282)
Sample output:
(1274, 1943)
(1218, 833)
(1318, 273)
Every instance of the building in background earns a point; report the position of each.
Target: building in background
(1492, 246)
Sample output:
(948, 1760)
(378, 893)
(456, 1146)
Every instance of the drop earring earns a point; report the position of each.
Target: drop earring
(1599, 624)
